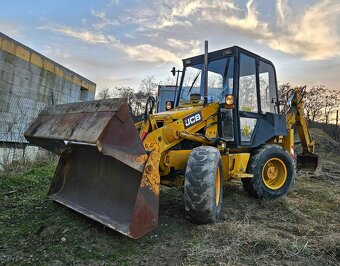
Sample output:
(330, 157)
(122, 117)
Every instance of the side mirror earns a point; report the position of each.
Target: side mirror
(173, 71)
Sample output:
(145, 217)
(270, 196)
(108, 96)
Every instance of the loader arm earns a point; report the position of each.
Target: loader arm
(177, 126)
(170, 132)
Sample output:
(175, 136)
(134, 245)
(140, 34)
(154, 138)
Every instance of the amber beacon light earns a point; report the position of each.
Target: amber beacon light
(169, 105)
(229, 102)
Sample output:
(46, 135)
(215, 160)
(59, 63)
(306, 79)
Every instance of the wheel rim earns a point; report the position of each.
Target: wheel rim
(274, 173)
(217, 186)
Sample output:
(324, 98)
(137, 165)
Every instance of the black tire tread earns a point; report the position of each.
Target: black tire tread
(254, 186)
(199, 177)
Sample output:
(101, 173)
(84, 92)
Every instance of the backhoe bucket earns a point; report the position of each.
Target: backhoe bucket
(104, 171)
(308, 161)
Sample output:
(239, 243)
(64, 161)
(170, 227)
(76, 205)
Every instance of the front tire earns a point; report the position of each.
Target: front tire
(273, 172)
(203, 186)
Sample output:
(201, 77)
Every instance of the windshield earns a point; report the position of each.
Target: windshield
(220, 80)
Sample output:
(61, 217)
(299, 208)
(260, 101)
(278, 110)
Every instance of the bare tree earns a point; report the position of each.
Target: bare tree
(215, 80)
(283, 90)
(319, 102)
(136, 100)
(247, 95)
(125, 92)
(104, 94)
(141, 97)
(314, 102)
(169, 80)
(149, 86)
(331, 102)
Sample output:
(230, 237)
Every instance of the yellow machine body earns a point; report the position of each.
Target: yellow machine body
(110, 168)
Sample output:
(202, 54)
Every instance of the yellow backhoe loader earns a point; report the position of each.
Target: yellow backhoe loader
(223, 124)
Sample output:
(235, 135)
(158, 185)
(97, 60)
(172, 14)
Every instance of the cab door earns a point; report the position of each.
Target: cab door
(248, 103)
(257, 94)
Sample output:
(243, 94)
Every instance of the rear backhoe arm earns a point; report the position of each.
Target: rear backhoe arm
(294, 116)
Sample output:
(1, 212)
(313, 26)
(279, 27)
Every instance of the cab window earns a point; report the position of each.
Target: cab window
(267, 87)
(216, 71)
(247, 84)
(220, 80)
(247, 96)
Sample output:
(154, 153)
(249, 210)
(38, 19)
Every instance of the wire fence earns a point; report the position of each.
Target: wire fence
(16, 112)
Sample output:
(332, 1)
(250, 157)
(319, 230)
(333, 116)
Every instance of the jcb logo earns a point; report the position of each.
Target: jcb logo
(192, 119)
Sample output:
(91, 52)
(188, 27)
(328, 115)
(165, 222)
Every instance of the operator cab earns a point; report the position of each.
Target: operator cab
(245, 85)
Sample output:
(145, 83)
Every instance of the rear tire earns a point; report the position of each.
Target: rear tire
(203, 186)
(273, 172)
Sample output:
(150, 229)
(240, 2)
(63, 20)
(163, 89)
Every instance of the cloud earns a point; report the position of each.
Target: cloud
(163, 14)
(310, 32)
(162, 31)
(98, 14)
(249, 22)
(281, 11)
(81, 34)
(187, 8)
(114, 2)
(56, 52)
(142, 52)
(183, 47)
(128, 35)
(10, 28)
(104, 21)
(149, 53)
(314, 35)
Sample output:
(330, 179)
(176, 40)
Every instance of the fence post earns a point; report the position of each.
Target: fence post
(336, 125)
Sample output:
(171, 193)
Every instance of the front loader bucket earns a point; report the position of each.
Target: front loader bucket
(308, 161)
(104, 171)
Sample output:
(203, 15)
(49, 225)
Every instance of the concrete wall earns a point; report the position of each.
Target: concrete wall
(39, 84)
(28, 82)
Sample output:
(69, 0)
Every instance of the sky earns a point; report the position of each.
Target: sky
(118, 43)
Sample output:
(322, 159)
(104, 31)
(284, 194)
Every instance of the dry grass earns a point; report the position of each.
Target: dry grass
(302, 229)
(14, 160)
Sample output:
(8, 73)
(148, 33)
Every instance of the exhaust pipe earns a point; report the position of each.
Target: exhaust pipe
(205, 93)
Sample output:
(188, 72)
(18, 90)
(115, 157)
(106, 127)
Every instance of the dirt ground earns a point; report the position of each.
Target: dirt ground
(300, 229)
